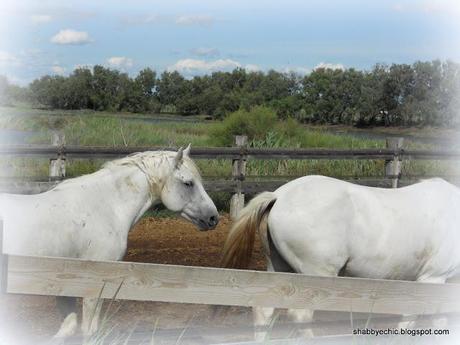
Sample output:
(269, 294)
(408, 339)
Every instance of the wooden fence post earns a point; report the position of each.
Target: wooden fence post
(238, 174)
(3, 263)
(393, 166)
(57, 165)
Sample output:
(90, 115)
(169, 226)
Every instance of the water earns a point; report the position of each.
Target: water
(15, 137)
(162, 119)
(446, 141)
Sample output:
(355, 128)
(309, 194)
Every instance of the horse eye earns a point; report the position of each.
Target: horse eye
(189, 183)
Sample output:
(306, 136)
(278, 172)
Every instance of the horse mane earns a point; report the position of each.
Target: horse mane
(150, 163)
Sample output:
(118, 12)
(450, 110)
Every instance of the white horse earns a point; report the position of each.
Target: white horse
(90, 216)
(321, 226)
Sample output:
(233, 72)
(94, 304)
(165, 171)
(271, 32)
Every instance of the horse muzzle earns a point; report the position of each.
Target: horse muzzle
(205, 223)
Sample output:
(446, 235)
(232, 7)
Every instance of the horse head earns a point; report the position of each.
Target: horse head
(183, 192)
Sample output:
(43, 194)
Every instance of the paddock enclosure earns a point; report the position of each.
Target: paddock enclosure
(153, 284)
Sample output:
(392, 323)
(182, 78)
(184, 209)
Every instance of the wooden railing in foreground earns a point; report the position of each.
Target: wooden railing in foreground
(183, 284)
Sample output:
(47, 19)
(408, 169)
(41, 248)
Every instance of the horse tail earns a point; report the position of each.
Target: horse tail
(238, 246)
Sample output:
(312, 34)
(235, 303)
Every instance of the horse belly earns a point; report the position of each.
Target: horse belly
(397, 244)
(380, 268)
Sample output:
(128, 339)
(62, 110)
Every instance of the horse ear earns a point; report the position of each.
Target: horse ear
(187, 150)
(179, 157)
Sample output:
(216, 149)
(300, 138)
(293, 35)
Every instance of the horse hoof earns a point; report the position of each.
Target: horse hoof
(68, 327)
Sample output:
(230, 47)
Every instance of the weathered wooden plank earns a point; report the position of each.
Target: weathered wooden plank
(281, 329)
(288, 154)
(230, 152)
(34, 187)
(248, 187)
(26, 187)
(111, 152)
(199, 152)
(238, 174)
(393, 166)
(182, 284)
(431, 154)
(57, 164)
(3, 263)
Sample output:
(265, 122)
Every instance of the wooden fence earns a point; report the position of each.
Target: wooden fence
(49, 276)
(182, 284)
(239, 185)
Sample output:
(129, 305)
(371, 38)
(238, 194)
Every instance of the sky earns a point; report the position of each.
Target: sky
(198, 37)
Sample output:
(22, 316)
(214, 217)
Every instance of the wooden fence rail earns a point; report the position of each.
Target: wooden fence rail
(229, 152)
(183, 284)
(51, 276)
(227, 186)
(393, 155)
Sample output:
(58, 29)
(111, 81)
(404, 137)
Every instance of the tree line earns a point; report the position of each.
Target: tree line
(418, 94)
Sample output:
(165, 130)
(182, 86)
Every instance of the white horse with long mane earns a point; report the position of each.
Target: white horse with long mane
(90, 216)
(322, 226)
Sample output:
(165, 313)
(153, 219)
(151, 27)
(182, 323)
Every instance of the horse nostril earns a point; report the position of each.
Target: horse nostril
(213, 220)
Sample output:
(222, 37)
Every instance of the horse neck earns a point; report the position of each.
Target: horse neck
(131, 193)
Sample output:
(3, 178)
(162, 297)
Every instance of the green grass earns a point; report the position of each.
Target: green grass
(101, 129)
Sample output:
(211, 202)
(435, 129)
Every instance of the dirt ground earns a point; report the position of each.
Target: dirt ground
(176, 241)
(162, 240)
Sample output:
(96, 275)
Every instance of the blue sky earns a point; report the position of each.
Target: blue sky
(197, 37)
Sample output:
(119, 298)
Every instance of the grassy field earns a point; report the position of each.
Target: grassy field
(105, 129)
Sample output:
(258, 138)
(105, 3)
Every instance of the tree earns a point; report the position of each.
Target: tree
(4, 90)
(146, 80)
(79, 89)
(424, 93)
(170, 88)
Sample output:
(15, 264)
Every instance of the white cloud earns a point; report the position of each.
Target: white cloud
(398, 7)
(330, 66)
(449, 7)
(143, 19)
(120, 62)
(192, 67)
(150, 19)
(205, 51)
(84, 66)
(13, 79)
(296, 69)
(40, 18)
(155, 18)
(7, 58)
(58, 70)
(71, 37)
(252, 68)
(195, 20)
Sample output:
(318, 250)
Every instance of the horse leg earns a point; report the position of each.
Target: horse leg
(263, 316)
(302, 316)
(278, 264)
(67, 308)
(306, 315)
(90, 315)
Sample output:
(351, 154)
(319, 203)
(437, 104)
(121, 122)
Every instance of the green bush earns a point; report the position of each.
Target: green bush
(254, 123)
